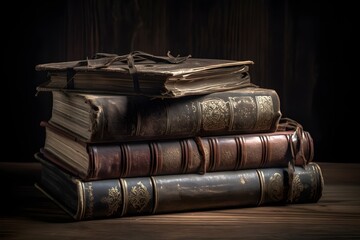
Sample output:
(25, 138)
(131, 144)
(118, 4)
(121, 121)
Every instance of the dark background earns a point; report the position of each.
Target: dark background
(300, 49)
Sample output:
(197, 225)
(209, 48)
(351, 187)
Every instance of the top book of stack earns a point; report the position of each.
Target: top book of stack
(139, 73)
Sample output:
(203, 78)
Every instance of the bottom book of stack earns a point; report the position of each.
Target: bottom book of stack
(111, 198)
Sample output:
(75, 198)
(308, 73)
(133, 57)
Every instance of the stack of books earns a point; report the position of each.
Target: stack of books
(142, 134)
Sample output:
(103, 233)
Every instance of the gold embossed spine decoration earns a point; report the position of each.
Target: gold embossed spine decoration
(139, 198)
(274, 185)
(308, 185)
(245, 112)
(265, 112)
(101, 199)
(112, 200)
(215, 114)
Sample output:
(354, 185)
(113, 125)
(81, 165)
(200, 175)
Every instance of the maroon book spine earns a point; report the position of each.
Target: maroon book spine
(193, 155)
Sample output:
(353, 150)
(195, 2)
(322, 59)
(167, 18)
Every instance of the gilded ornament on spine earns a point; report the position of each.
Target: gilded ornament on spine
(112, 200)
(265, 112)
(139, 196)
(215, 114)
(275, 187)
(297, 188)
(244, 112)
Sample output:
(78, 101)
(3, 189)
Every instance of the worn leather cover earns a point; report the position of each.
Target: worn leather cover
(191, 65)
(189, 155)
(119, 118)
(151, 76)
(176, 193)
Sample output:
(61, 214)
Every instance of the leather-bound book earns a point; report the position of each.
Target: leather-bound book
(101, 118)
(141, 73)
(120, 197)
(179, 156)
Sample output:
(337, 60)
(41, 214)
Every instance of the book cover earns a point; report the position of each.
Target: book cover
(178, 193)
(101, 118)
(178, 156)
(146, 74)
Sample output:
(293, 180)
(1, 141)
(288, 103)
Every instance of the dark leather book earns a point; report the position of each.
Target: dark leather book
(180, 156)
(178, 193)
(99, 118)
(145, 74)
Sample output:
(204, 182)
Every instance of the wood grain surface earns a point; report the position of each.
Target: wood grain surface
(27, 214)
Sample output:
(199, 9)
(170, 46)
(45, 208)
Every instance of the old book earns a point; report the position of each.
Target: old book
(142, 73)
(178, 193)
(97, 118)
(179, 156)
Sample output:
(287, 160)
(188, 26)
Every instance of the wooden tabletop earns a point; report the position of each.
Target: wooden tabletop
(27, 214)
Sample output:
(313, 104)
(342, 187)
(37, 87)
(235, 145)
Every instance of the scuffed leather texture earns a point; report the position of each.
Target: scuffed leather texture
(110, 198)
(144, 74)
(222, 153)
(125, 118)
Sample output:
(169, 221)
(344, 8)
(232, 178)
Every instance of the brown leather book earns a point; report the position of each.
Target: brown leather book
(180, 156)
(111, 198)
(101, 118)
(145, 74)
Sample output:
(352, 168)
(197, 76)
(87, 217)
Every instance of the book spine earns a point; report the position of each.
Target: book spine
(247, 110)
(220, 153)
(178, 193)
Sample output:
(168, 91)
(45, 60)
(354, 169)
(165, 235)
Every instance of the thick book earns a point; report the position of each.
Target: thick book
(178, 156)
(178, 193)
(145, 74)
(98, 118)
